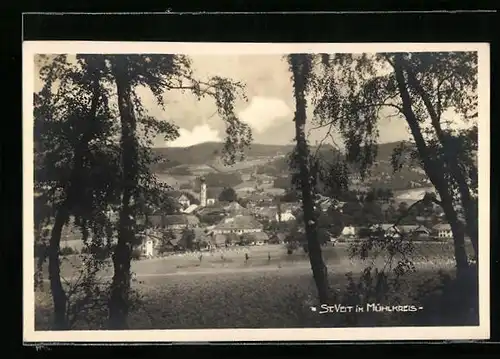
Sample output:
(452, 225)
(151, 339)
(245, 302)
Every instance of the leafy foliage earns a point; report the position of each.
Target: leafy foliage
(228, 195)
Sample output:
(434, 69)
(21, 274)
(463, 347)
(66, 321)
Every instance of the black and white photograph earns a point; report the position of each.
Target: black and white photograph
(255, 192)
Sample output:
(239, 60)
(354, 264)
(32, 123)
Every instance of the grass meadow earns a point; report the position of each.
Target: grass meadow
(225, 291)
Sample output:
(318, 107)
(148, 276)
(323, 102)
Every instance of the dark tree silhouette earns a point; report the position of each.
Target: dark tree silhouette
(300, 66)
(124, 180)
(420, 87)
(228, 195)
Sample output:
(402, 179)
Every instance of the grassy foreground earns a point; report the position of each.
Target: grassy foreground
(222, 291)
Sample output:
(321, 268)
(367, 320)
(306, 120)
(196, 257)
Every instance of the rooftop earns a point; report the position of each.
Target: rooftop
(442, 227)
(239, 222)
(174, 219)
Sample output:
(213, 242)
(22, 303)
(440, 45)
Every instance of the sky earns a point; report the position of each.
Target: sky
(269, 107)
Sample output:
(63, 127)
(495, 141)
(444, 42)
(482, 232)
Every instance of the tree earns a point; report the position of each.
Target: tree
(282, 182)
(390, 214)
(372, 213)
(243, 202)
(192, 199)
(210, 218)
(228, 194)
(300, 66)
(186, 186)
(232, 239)
(290, 196)
(188, 238)
(352, 213)
(165, 244)
(402, 208)
(76, 166)
(159, 73)
(222, 179)
(79, 117)
(352, 102)
(452, 77)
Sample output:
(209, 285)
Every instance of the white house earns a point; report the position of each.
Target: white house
(190, 209)
(149, 247)
(285, 216)
(151, 239)
(442, 230)
(184, 201)
(387, 228)
(210, 201)
(349, 231)
(239, 224)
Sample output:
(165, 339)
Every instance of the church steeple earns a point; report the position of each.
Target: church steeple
(203, 192)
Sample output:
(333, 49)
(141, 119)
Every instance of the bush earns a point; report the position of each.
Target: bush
(67, 251)
(40, 250)
(136, 254)
(445, 301)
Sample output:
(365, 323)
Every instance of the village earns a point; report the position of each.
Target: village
(202, 223)
(218, 224)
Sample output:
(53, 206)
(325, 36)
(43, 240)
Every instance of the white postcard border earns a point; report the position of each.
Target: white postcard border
(30, 48)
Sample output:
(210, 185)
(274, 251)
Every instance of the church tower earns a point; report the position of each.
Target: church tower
(203, 193)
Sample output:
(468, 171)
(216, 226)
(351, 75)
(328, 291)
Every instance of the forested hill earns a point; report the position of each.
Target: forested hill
(210, 152)
(272, 160)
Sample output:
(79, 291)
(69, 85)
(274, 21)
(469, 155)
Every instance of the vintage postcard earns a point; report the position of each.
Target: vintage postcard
(178, 192)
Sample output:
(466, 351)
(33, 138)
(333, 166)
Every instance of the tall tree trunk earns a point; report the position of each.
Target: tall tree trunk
(450, 157)
(58, 294)
(432, 169)
(75, 186)
(120, 286)
(314, 248)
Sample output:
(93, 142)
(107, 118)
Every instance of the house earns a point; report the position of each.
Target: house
(184, 201)
(245, 191)
(285, 216)
(387, 229)
(268, 213)
(202, 238)
(260, 198)
(180, 221)
(277, 238)
(324, 203)
(190, 209)
(416, 231)
(181, 198)
(234, 208)
(219, 240)
(275, 192)
(210, 201)
(264, 179)
(151, 238)
(260, 238)
(348, 231)
(238, 224)
(442, 231)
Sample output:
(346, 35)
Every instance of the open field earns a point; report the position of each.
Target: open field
(427, 255)
(174, 180)
(241, 165)
(180, 292)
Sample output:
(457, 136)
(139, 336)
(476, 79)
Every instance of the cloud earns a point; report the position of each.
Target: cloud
(264, 112)
(198, 134)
